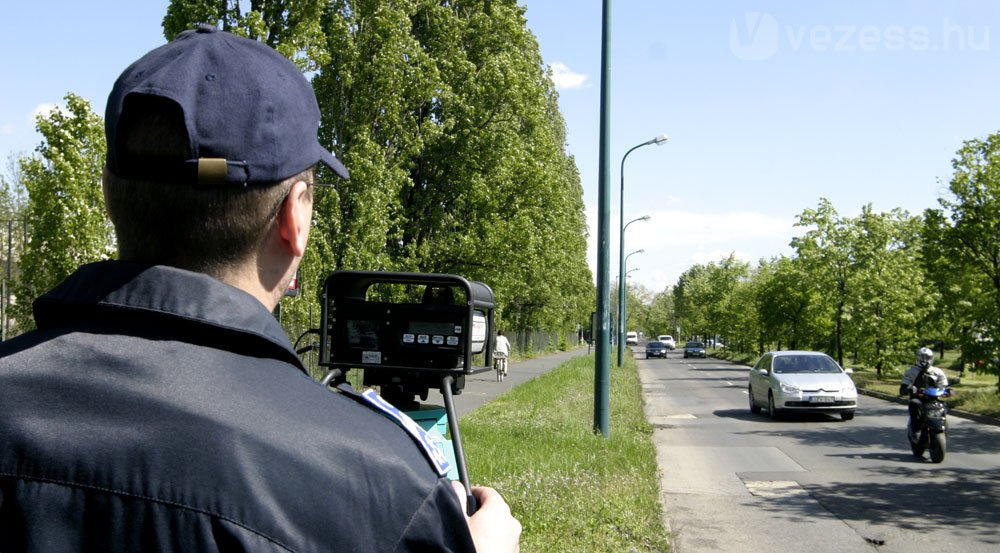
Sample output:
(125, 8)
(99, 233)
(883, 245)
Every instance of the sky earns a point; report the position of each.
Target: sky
(769, 105)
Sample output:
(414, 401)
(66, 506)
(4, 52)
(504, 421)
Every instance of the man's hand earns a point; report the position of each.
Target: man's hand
(493, 527)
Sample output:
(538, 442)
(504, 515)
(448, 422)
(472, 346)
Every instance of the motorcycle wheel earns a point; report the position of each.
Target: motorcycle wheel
(937, 447)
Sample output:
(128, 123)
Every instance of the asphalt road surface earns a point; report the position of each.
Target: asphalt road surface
(736, 482)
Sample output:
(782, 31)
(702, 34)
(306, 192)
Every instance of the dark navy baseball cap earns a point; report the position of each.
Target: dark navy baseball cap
(251, 116)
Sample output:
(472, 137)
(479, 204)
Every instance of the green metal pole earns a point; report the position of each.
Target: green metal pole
(621, 259)
(602, 364)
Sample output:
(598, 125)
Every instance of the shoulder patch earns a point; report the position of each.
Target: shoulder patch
(437, 457)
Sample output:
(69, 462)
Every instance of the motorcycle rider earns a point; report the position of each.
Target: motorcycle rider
(923, 374)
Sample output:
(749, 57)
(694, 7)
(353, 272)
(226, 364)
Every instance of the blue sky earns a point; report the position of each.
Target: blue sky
(769, 105)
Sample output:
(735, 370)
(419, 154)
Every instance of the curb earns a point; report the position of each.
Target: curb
(983, 419)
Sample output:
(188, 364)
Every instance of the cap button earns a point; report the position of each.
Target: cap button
(206, 28)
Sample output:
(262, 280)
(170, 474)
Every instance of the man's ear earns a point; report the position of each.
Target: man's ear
(295, 218)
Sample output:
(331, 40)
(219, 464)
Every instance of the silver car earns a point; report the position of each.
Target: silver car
(806, 381)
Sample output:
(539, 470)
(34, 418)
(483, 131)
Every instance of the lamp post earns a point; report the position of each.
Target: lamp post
(622, 313)
(621, 289)
(602, 359)
(621, 218)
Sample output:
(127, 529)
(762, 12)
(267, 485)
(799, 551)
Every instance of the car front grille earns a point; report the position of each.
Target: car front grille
(811, 405)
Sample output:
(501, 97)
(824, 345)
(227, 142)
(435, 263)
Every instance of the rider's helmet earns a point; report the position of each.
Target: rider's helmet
(924, 357)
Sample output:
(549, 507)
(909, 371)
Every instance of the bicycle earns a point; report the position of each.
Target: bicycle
(500, 365)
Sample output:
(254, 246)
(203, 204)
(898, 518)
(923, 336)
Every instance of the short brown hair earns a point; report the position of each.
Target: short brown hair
(195, 227)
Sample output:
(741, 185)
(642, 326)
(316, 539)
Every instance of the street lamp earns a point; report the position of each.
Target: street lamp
(621, 289)
(622, 313)
(621, 218)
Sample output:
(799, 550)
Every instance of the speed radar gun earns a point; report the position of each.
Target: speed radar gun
(409, 333)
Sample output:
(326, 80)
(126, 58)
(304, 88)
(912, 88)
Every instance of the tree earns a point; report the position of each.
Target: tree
(662, 315)
(789, 305)
(889, 297)
(65, 209)
(968, 228)
(692, 313)
(451, 130)
(827, 262)
(703, 294)
(292, 27)
(13, 204)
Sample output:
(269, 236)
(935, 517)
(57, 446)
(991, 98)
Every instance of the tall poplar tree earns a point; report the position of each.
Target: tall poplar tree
(65, 213)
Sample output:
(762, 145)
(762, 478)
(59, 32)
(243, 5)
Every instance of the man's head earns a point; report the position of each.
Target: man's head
(924, 358)
(206, 137)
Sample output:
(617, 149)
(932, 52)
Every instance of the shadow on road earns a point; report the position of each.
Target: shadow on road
(914, 497)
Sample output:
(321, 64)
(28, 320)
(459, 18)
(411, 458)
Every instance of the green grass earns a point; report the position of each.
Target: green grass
(573, 490)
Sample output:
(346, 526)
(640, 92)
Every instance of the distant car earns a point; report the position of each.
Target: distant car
(695, 349)
(655, 348)
(807, 381)
(667, 340)
(631, 339)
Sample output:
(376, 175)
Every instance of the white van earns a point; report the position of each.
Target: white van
(631, 339)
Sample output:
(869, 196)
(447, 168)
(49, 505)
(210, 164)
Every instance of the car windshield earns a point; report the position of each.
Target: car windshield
(694, 345)
(793, 364)
(655, 345)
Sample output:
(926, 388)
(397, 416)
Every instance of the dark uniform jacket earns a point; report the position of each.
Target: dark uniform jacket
(156, 409)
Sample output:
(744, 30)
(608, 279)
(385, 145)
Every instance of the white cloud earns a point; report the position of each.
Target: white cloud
(565, 78)
(8, 128)
(675, 240)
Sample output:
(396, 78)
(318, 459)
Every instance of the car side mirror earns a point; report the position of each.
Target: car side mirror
(849, 371)
(763, 372)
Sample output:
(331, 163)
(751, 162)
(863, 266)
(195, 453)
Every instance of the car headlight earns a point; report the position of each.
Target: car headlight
(789, 389)
(849, 389)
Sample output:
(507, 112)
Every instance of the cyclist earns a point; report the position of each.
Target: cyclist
(501, 351)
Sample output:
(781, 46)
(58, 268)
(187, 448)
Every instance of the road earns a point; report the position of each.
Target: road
(736, 482)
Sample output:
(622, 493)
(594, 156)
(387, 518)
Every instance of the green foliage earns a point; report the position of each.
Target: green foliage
(289, 26)
(455, 143)
(967, 247)
(789, 306)
(572, 489)
(704, 298)
(65, 211)
(453, 137)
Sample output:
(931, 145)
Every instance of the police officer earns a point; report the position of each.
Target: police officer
(159, 405)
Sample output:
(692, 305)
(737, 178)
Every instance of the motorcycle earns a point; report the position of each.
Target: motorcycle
(930, 436)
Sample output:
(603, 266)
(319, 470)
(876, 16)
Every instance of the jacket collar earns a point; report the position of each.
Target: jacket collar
(120, 288)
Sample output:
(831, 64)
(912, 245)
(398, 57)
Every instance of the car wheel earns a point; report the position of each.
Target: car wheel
(754, 408)
(847, 415)
(772, 411)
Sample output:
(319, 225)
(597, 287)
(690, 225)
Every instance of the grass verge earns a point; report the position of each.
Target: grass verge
(572, 490)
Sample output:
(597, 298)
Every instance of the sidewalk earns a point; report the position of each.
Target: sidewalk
(483, 387)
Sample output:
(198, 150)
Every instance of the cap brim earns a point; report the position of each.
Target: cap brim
(334, 164)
